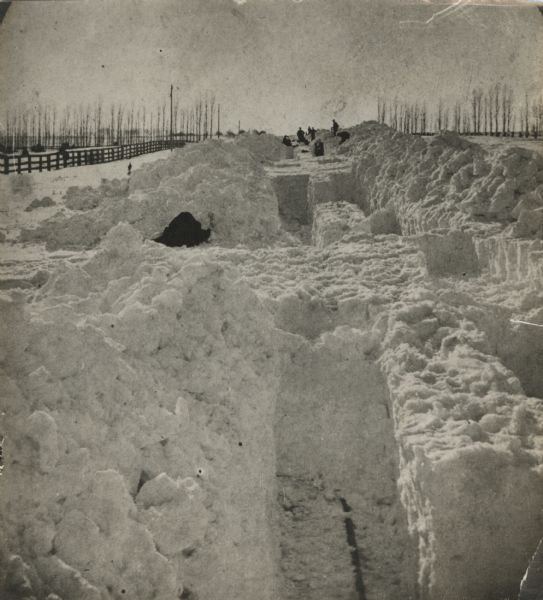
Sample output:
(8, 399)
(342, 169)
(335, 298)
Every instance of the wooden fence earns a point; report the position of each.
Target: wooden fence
(51, 161)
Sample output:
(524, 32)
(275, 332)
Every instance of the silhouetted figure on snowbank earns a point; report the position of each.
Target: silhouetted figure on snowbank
(129, 169)
(344, 135)
(287, 141)
(318, 148)
(184, 230)
(311, 132)
(301, 136)
(335, 126)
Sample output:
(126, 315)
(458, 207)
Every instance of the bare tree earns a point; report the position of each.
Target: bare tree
(212, 112)
(537, 116)
(526, 115)
(476, 96)
(497, 88)
(457, 117)
(508, 99)
(485, 114)
(440, 109)
(490, 99)
(381, 110)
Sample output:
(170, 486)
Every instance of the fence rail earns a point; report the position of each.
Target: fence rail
(61, 159)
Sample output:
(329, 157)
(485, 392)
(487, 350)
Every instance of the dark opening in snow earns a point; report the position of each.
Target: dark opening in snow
(184, 230)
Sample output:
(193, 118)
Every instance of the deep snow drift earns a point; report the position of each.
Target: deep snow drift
(342, 389)
(221, 185)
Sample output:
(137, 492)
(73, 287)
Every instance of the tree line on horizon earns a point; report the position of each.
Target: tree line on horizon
(43, 127)
(495, 111)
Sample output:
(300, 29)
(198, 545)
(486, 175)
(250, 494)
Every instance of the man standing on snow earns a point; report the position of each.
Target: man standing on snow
(335, 126)
(129, 169)
(301, 136)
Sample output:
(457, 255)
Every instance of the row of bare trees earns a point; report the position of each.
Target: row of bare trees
(495, 111)
(42, 127)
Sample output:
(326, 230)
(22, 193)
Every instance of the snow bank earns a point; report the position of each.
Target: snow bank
(264, 147)
(86, 198)
(138, 393)
(446, 181)
(470, 451)
(221, 184)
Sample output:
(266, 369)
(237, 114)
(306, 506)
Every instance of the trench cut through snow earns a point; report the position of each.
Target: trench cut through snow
(334, 432)
(343, 531)
(339, 416)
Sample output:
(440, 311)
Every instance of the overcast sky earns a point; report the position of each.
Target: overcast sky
(273, 64)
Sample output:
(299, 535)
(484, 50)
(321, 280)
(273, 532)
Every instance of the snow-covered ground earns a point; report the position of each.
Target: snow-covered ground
(342, 388)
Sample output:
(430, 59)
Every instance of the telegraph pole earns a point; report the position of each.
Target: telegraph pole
(171, 117)
(219, 121)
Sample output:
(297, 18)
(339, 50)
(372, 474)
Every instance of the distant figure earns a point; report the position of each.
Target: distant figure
(335, 126)
(301, 136)
(344, 135)
(24, 152)
(129, 169)
(287, 141)
(318, 148)
(64, 155)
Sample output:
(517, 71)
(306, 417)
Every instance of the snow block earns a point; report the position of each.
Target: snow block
(451, 253)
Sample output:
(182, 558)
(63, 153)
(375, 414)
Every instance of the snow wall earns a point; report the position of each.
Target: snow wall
(412, 185)
(221, 184)
(210, 420)
(140, 397)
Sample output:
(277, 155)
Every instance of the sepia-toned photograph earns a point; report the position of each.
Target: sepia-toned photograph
(271, 300)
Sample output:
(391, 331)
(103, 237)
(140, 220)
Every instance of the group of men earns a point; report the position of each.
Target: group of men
(312, 133)
(300, 134)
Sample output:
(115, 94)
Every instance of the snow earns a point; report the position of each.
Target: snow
(445, 181)
(217, 183)
(362, 328)
(126, 395)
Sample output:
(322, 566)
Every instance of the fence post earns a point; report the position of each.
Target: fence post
(40, 167)
(48, 162)
(6, 164)
(58, 161)
(18, 164)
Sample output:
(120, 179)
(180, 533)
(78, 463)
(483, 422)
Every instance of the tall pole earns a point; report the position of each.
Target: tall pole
(171, 117)
(219, 121)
